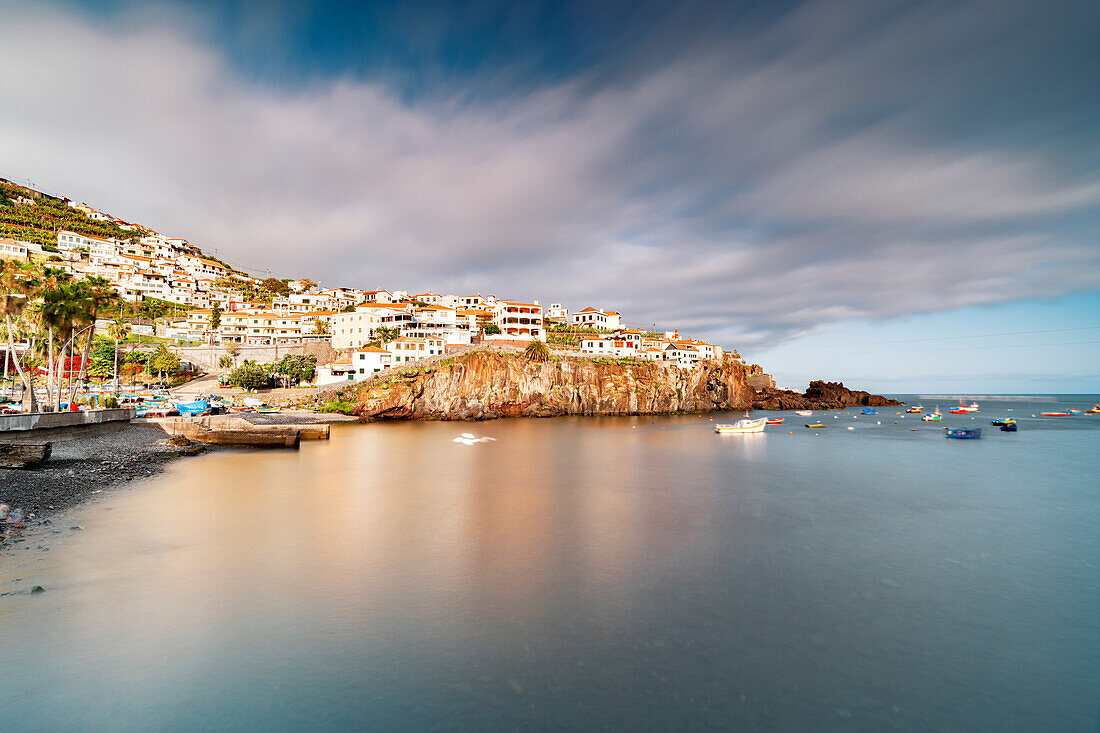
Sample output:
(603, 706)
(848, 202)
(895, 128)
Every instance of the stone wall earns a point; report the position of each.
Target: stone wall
(41, 426)
(206, 357)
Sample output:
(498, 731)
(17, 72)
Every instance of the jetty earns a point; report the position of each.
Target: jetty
(235, 430)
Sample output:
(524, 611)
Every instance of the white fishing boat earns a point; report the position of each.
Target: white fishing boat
(742, 426)
(803, 413)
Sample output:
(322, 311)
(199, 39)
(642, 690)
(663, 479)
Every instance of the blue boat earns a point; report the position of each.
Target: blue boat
(963, 433)
(867, 411)
(191, 409)
(1002, 421)
(1009, 427)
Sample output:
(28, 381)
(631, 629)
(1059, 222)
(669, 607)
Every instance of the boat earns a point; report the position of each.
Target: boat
(1054, 414)
(867, 411)
(963, 433)
(816, 425)
(193, 409)
(159, 409)
(240, 408)
(267, 409)
(747, 425)
(1009, 427)
(916, 409)
(1073, 411)
(932, 416)
(1095, 410)
(803, 413)
(1002, 421)
(775, 421)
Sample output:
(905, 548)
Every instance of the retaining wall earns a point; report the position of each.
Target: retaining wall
(42, 426)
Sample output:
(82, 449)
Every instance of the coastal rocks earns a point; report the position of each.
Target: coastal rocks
(22, 455)
(483, 385)
(819, 396)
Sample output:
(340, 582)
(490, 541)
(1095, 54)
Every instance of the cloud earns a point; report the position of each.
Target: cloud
(748, 190)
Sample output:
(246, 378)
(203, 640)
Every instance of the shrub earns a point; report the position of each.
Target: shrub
(109, 403)
(248, 375)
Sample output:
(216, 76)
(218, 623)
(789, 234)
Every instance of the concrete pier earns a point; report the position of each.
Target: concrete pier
(37, 427)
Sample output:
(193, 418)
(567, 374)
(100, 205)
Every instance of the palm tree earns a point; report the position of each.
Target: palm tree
(320, 327)
(100, 295)
(118, 330)
(64, 308)
(18, 282)
(52, 279)
(537, 351)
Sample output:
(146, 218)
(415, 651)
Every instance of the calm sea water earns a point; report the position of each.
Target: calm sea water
(580, 574)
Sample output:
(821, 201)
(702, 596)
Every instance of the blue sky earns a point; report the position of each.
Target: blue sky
(790, 179)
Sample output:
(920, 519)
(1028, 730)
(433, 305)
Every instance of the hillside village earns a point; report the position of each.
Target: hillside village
(370, 330)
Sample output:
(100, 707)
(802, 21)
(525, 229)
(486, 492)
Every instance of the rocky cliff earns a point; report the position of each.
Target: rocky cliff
(482, 385)
(819, 396)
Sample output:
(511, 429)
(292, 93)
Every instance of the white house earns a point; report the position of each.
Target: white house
(370, 360)
(596, 318)
(405, 349)
(556, 313)
(608, 346)
(520, 321)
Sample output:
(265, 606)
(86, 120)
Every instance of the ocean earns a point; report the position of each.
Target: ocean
(627, 573)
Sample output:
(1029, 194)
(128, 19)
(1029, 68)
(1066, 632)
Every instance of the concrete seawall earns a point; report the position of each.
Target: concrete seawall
(232, 430)
(36, 427)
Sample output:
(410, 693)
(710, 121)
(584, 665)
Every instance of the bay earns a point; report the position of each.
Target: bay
(581, 574)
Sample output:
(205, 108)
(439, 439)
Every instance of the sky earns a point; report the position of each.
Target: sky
(837, 189)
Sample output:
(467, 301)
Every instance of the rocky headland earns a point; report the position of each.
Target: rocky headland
(819, 396)
(483, 385)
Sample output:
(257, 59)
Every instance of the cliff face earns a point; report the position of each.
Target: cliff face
(482, 385)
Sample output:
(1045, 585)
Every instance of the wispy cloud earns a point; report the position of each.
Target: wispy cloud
(749, 190)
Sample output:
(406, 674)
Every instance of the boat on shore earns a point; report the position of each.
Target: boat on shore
(267, 409)
(963, 433)
(746, 425)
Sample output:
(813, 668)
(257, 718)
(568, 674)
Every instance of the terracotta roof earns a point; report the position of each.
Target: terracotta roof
(373, 349)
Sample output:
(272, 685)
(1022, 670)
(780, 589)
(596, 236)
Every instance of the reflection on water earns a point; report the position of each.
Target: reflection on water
(575, 573)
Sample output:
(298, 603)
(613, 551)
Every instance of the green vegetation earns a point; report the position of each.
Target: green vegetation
(248, 375)
(537, 351)
(39, 222)
(296, 368)
(492, 329)
(163, 362)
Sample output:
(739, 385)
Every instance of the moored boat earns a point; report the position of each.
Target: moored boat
(742, 426)
(1054, 414)
(867, 411)
(1002, 421)
(816, 425)
(933, 416)
(775, 421)
(803, 413)
(1095, 409)
(1009, 427)
(963, 433)
(1073, 411)
(916, 409)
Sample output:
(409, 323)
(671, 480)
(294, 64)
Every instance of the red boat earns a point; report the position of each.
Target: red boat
(1054, 414)
(775, 421)
(959, 411)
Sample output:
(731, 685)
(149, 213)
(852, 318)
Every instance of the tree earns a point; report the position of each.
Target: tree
(231, 351)
(18, 282)
(491, 329)
(215, 317)
(306, 284)
(162, 361)
(297, 367)
(320, 327)
(248, 375)
(537, 351)
(387, 333)
(100, 295)
(276, 286)
(64, 308)
(118, 331)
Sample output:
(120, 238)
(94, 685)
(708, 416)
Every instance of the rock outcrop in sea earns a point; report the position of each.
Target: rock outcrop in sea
(819, 396)
(483, 385)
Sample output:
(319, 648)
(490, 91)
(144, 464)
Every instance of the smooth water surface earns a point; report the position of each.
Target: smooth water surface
(580, 573)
